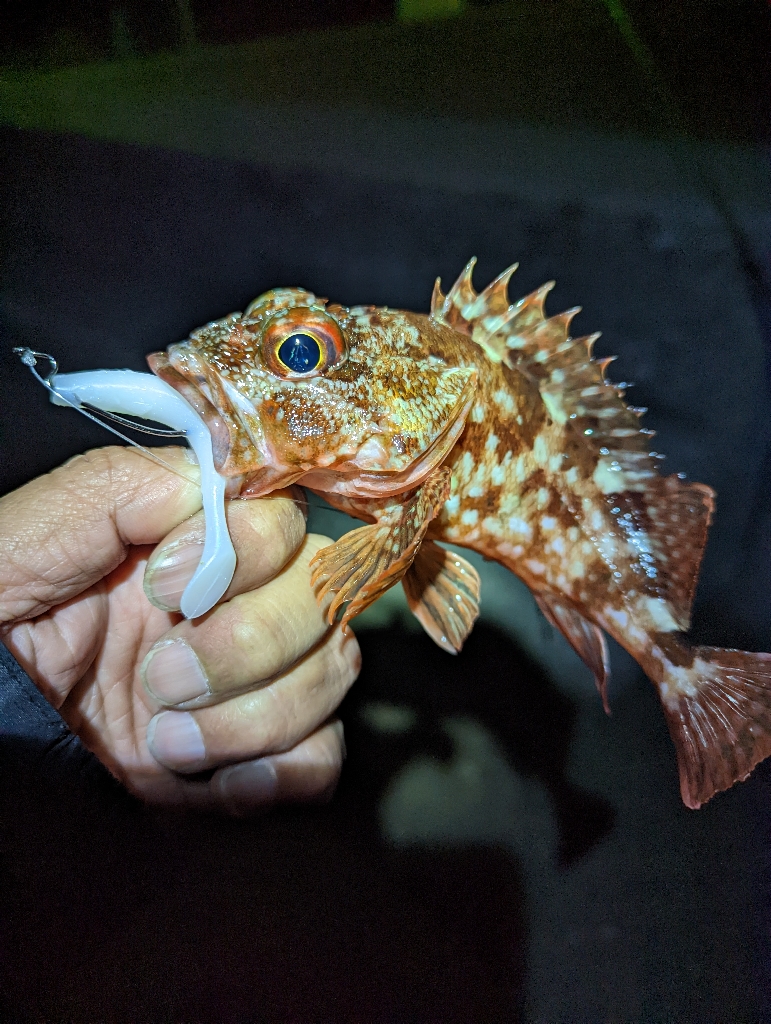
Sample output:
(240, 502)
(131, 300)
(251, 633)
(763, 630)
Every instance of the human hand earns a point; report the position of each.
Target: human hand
(247, 690)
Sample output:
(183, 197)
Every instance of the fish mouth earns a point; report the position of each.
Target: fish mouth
(238, 447)
(189, 386)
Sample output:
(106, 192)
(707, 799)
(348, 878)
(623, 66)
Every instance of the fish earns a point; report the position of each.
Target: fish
(483, 425)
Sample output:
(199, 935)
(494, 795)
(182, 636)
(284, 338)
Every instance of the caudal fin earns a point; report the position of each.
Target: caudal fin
(718, 708)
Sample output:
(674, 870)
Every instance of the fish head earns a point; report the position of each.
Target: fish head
(342, 400)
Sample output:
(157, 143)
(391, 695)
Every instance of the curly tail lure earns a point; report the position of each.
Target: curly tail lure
(127, 393)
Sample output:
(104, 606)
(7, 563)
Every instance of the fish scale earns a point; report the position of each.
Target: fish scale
(486, 425)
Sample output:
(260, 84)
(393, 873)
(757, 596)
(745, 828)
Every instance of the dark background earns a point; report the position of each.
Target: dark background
(498, 848)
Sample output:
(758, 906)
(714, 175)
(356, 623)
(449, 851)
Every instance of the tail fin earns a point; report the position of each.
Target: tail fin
(718, 708)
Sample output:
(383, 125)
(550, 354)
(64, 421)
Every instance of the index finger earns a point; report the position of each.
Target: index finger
(64, 531)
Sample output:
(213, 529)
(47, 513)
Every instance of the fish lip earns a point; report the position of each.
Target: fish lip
(162, 366)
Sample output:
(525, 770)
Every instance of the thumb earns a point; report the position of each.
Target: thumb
(64, 531)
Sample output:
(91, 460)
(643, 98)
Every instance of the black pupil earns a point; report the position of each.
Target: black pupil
(300, 352)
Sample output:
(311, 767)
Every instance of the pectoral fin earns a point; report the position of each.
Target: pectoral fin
(443, 594)
(366, 562)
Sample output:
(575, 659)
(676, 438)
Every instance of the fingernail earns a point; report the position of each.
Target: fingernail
(175, 740)
(166, 577)
(172, 673)
(248, 785)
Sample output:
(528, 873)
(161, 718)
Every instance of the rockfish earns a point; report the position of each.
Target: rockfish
(483, 424)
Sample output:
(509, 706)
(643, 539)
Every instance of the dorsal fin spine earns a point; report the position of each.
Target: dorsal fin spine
(605, 363)
(590, 341)
(462, 292)
(437, 299)
(494, 299)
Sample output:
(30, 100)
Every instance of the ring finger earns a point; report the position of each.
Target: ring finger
(269, 720)
(308, 772)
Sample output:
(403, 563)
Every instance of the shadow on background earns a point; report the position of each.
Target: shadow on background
(495, 684)
(301, 915)
(116, 913)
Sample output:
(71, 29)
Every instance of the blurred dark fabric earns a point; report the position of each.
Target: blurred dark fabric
(112, 912)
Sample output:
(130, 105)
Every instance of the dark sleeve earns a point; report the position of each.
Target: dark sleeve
(26, 718)
(34, 739)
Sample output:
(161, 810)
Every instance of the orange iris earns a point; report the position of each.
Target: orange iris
(302, 342)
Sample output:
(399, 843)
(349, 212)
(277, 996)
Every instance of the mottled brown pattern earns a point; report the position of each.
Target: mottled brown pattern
(486, 425)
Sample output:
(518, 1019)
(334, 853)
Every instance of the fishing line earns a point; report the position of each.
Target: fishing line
(30, 357)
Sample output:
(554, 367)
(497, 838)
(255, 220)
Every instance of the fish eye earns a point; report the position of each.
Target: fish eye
(301, 353)
(302, 342)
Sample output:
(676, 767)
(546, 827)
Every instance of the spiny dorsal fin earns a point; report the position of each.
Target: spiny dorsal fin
(494, 300)
(486, 313)
(664, 520)
(572, 383)
(437, 300)
(488, 317)
(462, 294)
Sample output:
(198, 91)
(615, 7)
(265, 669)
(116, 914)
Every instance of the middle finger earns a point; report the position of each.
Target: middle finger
(243, 643)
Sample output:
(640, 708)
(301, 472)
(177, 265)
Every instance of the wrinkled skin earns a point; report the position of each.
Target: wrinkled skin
(83, 548)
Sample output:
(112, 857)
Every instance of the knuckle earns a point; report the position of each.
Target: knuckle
(291, 521)
(260, 628)
(279, 721)
(327, 765)
(272, 529)
(110, 465)
(268, 719)
(330, 754)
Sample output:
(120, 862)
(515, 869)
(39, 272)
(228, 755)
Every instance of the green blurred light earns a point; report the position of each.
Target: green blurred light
(427, 10)
(646, 61)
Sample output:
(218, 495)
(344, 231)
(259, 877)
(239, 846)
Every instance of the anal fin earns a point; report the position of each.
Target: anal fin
(442, 591)
(586, 639)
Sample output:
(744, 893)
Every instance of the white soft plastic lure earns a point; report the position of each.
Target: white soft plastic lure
(128, 393)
